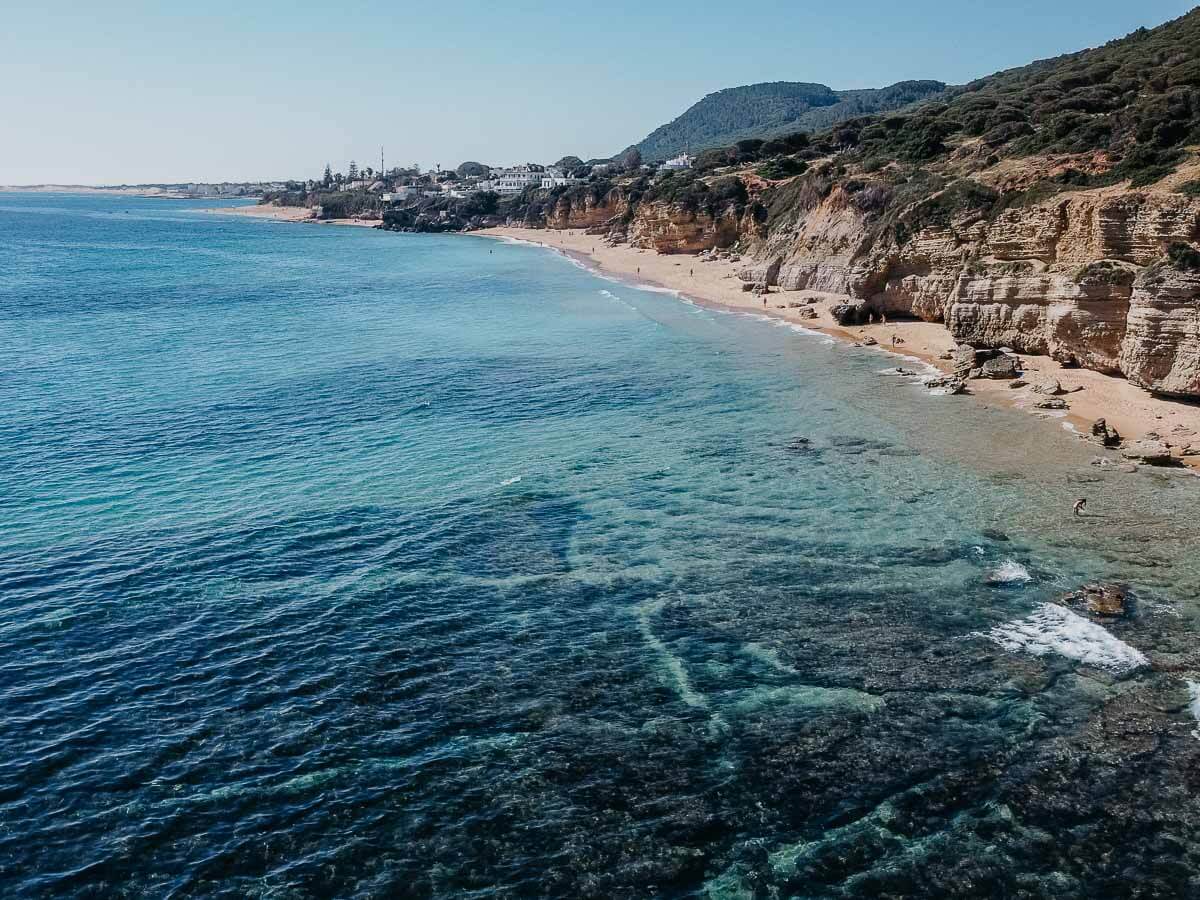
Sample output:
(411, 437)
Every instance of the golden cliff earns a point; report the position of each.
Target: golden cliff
(1082, 277)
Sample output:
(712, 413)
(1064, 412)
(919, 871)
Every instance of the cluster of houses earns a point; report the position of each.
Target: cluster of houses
(232, 189)
(508, 181)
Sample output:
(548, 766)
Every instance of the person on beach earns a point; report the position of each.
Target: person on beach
(1077, 509)
(871, 319)
(883, 318)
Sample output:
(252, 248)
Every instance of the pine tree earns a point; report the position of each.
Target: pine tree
(327, 181)
(353, 171)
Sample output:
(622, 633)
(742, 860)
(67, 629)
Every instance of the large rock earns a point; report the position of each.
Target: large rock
(1048, 387)
(849, 313)
(1149, 451)
(1109, 437)
(1000, 366)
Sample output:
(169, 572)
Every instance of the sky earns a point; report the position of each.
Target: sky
(115, 91)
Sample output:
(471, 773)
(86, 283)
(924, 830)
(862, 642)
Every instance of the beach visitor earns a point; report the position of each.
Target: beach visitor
(1077, 509)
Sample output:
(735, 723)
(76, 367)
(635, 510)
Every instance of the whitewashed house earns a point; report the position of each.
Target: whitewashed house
(555, 177)
(683, 161)
(515, 179)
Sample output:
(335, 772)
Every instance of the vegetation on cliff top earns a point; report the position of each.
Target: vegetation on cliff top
(1136, 99)
(771, 109)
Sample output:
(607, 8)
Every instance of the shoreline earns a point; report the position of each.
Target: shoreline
(272, 213)
(1091, 395)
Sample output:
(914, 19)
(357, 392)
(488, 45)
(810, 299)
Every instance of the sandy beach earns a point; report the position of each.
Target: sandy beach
(287, 214)
(1133, 411)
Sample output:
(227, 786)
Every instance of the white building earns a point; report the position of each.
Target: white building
(400, 194)
(683, 161)
(515, 179)
(555, 177)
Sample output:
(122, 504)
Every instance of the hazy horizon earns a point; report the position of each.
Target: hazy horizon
(143, 95)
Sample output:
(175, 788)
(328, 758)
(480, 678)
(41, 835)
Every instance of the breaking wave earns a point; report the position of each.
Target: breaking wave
(1055, 629)
(1009, 572)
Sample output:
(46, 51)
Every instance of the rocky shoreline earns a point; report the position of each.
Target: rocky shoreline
(1108, 409)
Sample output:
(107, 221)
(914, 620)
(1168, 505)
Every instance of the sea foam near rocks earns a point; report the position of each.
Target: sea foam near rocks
(1055, 629)
(1009, 572)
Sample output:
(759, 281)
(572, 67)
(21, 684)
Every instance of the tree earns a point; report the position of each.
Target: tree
(630, 160)
(353, 170)
(368, 172)
(471, 169)
(327, 180)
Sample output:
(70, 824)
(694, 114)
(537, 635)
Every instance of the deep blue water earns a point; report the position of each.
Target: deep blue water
(337, 562)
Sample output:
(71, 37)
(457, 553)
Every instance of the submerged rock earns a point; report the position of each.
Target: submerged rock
(1103, 600)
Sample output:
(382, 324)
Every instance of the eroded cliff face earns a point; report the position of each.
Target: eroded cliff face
(1076, 277)
(661, 226)
(669, 228)
(1161, 346)
(588, 211)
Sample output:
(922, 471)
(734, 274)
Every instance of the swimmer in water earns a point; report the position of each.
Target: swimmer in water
(1077, 509)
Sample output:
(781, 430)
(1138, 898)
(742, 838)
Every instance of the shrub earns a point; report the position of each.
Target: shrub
(785, 167)
(1184, 257)
(1190, 189)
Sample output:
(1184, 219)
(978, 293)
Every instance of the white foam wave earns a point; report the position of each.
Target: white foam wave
(1194, 704)
(1054, 629)
(507, 481)
(1009, 572)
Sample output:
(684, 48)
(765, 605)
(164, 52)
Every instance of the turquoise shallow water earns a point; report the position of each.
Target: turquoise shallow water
(345, 563)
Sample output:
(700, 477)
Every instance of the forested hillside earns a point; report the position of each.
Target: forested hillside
(774, 108)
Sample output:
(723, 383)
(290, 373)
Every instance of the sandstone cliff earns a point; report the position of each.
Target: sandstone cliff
(1079, 277)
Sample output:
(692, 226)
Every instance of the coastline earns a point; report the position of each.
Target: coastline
(274, 213)
(1092, 395)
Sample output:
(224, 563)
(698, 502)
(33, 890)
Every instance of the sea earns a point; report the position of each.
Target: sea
(342, 563)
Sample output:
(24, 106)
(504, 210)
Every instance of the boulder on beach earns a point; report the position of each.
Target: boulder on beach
(947, 384)
(1050, 387)
(1149, 450)
(1051, 403)
(1001, 366)
(848, 313)
(1109, 437)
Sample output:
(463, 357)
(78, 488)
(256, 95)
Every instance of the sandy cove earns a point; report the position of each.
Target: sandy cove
(286, 214)
(1091, 395)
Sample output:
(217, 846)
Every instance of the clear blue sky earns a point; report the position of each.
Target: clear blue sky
(105, 92)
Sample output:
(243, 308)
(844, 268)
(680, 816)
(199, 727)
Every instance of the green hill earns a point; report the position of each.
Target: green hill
(774, 108)
(1135, 100)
